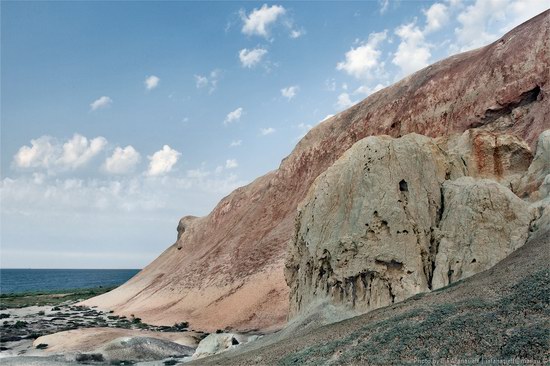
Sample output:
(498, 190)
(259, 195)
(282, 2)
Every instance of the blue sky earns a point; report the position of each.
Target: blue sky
(118, 118)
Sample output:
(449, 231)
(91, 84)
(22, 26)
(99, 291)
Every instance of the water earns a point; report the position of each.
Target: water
(23, 280)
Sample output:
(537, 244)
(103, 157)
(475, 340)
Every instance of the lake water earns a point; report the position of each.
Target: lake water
(23, 280)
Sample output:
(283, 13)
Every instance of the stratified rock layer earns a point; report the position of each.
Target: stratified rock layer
(226, 269)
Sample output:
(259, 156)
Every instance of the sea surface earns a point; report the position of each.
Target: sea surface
(24, 280)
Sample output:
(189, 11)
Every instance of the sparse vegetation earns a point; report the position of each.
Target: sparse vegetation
(459, 330)
(89, 357)
(20, 324)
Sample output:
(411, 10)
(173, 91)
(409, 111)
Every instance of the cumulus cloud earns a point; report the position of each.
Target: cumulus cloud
(290, 92)
(79, 150)
(122, 161)
(151, 82)
(233, 116)
(209, 81)
(485, 20)
(67, 196)
(260, 20)
(295, 33)
(235, 143)
(437, 16)
(250, 58)
(361, 61)
(47, 153)
(231, 164)
(162, 161)
(413, 52)
(100, 103)
(42, 153)
(344, 101)
(267, 131)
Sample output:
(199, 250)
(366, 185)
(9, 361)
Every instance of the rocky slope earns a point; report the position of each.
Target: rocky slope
(396, 217)
(499, 314)
(226, 269)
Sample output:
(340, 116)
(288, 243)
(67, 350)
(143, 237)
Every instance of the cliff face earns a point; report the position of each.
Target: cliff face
(226, 269)
(396, 217)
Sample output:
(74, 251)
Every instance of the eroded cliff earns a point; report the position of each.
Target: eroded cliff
(394, 217)
(226, 269)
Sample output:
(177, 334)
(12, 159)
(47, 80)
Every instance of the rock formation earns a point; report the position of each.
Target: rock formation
(395, 217)
(226, 269)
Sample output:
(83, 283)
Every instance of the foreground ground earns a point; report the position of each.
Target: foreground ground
(498, 316)
(29, 317)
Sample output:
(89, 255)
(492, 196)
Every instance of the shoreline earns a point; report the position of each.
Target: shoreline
(50, 328)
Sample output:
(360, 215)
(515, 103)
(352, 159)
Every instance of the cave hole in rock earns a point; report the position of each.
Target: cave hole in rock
(403, 186)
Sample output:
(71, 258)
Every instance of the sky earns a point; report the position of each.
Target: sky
(118, 118)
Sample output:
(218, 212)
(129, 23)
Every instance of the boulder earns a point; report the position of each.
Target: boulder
(483, 222)
(143, 349)
(215, 343)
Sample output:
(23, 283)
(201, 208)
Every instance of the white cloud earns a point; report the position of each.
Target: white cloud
(210, 81)
(344, 101)
(250, 58)
(233, 116)
(267, 131)
(162, 161)
(70, 196)
(122, 161)
(384, 5)
(366, 90)
(413, 52)
(100, 103)
(294, 33)
(235, 143)
(473, 31)
(151, 82)
(290, 92)
(79, 150)
(437, 16)
(201, 81)
(47, 153)
(231, 164)
(259, 21)
(519, 11)
(199, 173)
(330, 85)
(42, 153)
(485, 20)
(363, 60)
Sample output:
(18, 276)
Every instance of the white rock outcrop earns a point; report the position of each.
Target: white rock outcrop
(482, 223)
(395, 217)
(215, 343)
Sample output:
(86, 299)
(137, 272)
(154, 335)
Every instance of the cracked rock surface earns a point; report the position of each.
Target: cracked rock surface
(394, 217)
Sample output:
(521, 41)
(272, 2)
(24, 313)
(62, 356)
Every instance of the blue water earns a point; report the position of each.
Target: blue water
(23, 280)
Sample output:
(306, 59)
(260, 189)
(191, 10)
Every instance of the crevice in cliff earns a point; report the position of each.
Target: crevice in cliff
(392, 295)
(434, 243)
(493, 114)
